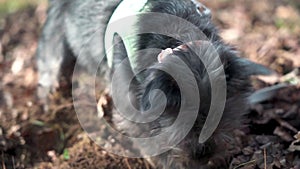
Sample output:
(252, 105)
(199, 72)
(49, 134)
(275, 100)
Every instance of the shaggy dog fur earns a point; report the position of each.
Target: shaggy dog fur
(71, 22)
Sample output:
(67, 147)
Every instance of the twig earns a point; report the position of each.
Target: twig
(13, 162)
(245, 164)
(3, 163)
(265, 157)
(147, 165)
(127, 163)
(58, 108)
(126, 160)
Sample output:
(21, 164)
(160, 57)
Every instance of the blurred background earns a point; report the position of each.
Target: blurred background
(265, 31)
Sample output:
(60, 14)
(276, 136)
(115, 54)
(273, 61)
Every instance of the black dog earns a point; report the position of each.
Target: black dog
(71, 22)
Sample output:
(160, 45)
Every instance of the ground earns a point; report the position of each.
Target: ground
(267, 32)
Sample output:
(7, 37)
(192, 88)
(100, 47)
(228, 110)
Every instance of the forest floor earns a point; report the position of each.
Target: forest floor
(267, 32)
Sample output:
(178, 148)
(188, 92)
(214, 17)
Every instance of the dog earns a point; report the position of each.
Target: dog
(72, 23)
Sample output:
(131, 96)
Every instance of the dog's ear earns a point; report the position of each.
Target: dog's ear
(119, 51)
(244, 67)
(121, 65)
(255, 68)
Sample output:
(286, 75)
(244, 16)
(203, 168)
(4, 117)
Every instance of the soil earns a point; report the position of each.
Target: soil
(267, 32)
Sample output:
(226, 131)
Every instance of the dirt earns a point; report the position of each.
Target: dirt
(267, 32)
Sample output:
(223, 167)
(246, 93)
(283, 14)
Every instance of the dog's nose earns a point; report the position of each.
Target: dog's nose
(163, 54)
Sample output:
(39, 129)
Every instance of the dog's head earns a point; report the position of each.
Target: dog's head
(238, 87)
(186, 64)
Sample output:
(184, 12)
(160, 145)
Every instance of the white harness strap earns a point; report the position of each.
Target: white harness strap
(123, 22)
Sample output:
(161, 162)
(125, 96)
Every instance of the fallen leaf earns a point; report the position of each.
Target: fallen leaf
(295, 145)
